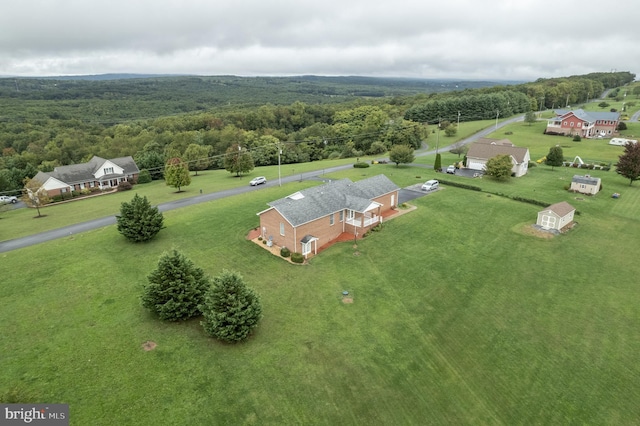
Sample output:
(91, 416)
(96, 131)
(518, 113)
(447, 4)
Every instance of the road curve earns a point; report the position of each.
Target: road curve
(77, 228)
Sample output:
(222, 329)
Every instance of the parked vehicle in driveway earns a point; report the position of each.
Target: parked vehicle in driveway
(451, 170)
(430, 185)
(258, 180)
(6, 199)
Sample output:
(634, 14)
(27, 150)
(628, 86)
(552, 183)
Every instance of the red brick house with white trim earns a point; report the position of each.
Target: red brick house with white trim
(586, 124)
(314, 217)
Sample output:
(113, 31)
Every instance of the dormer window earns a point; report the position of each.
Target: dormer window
(108, 170)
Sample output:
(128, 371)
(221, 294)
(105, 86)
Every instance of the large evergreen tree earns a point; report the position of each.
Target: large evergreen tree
(555, 157)
(629, 162)
(176, 288)
(231, 309)
(499, 167)
(138, 221)
(176, 173)
(437, 165)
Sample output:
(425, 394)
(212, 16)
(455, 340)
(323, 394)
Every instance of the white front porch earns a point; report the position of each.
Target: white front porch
(367, 219)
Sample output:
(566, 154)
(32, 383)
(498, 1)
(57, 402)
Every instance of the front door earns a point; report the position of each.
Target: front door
(306, 248)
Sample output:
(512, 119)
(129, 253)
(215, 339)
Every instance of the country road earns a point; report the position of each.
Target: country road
(77, 228)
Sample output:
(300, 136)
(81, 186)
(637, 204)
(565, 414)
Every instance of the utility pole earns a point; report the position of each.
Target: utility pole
(279, 175)
(497, 114)
(458, 126)
(438, 136)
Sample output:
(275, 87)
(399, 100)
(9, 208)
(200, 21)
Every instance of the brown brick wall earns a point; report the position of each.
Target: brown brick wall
(320, 228)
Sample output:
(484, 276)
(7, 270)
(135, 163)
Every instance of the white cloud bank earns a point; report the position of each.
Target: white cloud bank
(496, 39)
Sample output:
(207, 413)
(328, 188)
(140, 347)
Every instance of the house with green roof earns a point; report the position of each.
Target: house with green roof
(311, 218)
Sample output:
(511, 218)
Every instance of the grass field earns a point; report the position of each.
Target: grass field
(17, 223)
(460, 316)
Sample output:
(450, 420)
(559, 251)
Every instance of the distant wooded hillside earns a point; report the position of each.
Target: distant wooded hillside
(46, 122)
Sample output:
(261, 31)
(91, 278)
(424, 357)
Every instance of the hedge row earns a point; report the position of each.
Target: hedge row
(500, 194)
(460, 185)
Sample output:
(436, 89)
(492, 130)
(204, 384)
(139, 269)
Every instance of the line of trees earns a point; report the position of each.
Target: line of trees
(43, 138)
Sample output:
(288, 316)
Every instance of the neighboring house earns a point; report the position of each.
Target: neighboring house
(97, 173)
(556, 216)
(586, 124)
(485, 148)
(313, 217)
(585, 184)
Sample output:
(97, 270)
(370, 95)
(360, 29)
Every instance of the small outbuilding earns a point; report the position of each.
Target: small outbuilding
(556, 216)
(585, 184)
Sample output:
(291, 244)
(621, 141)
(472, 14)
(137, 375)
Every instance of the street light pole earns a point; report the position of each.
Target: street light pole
(438, 137)
(279, 175)
(497, 114)
(458, 126)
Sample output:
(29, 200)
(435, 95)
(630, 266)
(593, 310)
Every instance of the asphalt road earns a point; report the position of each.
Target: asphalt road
(54, 234)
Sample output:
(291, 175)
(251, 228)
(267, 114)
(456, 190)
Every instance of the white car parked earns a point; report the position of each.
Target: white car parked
(430, 185)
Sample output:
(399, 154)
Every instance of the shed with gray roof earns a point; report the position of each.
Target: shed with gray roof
(585, 184)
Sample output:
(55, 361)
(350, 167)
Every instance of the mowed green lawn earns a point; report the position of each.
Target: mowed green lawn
(459, 317)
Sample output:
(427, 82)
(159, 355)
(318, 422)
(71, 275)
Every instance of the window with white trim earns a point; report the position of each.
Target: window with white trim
(108, 170)
(331, 220)
(341, 215)
(282, 229)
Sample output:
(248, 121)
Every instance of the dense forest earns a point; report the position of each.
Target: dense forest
(49, 122)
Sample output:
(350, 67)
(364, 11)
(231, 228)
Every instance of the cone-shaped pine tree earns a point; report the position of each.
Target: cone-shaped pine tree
(231, 309)
(176, 288)
(138, 221)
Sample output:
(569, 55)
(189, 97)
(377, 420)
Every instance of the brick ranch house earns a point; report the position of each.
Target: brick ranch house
(97, 173)
(486, 148)
(586, 124)
(314, 217)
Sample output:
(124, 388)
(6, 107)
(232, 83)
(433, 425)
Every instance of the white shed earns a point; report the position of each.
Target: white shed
(556, 216)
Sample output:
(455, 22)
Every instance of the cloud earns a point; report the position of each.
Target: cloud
(498, 39)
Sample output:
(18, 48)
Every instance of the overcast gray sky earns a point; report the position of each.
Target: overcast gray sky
(468, 39)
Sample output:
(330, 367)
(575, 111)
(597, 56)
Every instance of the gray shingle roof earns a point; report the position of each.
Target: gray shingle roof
(486, 148)
(587, 180)
(331, 197)
(84, 172)
(590, 116)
